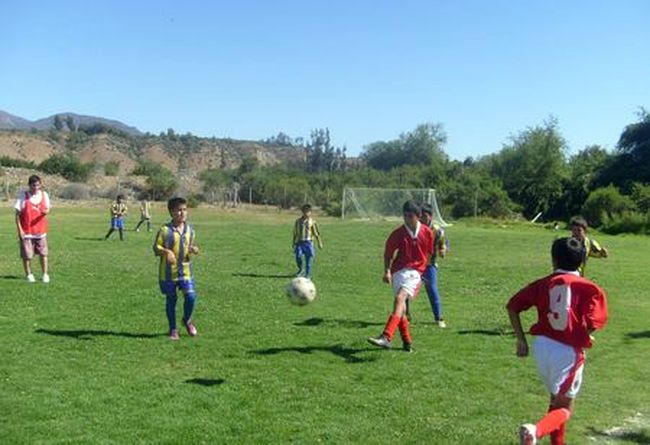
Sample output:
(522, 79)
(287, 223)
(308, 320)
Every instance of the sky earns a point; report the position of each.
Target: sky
(368, 70)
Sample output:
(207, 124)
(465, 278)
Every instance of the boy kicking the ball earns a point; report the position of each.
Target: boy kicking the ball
(569, 309)
(174, 244)
(406, 254)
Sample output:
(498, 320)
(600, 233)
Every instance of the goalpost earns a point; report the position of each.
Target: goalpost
(382, 203)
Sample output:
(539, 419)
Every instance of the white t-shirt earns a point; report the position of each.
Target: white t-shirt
(35, 200)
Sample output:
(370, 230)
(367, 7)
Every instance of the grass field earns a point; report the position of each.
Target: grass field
(86, 359)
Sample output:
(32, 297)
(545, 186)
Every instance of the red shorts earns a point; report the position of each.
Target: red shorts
(31, 246)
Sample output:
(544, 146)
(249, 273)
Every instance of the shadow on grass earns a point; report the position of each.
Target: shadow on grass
(260, 275)
(206, 382)
(345, 352)
(638, 437)
(10, 277)
(358, 324)
(635, 335)
(490, 332)
(82, 238)
(88, 334)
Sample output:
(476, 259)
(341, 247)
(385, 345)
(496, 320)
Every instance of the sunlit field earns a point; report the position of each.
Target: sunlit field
(86, 358)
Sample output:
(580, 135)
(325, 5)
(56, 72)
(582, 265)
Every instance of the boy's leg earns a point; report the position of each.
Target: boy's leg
(170, 309)
(121, 230)
(309, 259)
(554, 423)
(393, 322)
(298, 253)
(110, 232)
(148, 225)
(431, 285)
(137, 228)
(27, 253)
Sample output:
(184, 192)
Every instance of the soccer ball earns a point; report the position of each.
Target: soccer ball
(301, 291)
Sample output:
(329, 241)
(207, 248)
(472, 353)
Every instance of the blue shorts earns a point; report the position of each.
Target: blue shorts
(169, 287)
(117, 222)
(305, 248)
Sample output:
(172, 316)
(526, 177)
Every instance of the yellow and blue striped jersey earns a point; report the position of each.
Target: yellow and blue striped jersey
(118, 209)
(170, 237)
(591, 248)
(305, 229)
(440, 242)
(145, 210)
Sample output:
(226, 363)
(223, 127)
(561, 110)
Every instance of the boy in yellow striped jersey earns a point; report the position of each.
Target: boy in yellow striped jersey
(174, 244)
(118, 210)
(590, 247)
(145, 215)
(305, 230)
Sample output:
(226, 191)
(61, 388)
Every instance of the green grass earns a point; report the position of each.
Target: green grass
(85, 359)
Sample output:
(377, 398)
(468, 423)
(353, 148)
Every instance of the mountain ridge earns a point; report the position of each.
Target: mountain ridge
(10, 121)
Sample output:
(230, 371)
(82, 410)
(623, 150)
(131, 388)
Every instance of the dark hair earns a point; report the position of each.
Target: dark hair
(579, 221)
(175, 202)
(305, 207)
(567, 253)
(33, 179)
(426, 208)
(120, 196)
(411, 207)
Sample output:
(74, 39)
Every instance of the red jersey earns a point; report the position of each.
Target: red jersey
(568, 307)
(413, 249)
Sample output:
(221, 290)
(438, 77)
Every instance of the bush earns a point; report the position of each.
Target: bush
(75, 192)
(193, 201)
(604, 204)
(67, 166)
(628, 222)
(6, 161)
(112, 168)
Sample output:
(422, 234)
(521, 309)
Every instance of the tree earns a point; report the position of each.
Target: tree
(69, 121)
(58, 123)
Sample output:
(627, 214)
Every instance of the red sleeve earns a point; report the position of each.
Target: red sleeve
(392, 245)
(524, 299)
(597, 311)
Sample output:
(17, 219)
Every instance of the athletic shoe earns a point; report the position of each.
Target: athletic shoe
(441, 323)
(173, 334)
(31, 278)
(46, 278)
(137, 230)
(380, 341)
(407, 347)
(191, 329)
(528, 434)
(299, 273)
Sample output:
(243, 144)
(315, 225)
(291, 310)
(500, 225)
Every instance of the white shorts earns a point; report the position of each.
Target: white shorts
(559, 365)
(407, 279)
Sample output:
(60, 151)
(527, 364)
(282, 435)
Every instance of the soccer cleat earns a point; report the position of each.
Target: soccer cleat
(380, 341)
(46, 278)
(31, 278)
(407, 347)
(173, 334)
(441, 323)
(191, 329)
(528, 434)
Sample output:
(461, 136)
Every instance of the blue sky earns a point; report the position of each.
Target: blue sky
(368, 70)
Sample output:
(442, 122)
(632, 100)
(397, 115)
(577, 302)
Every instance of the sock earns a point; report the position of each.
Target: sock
(553, 420)
(391, 326)
(188, 307)
(170, 308)
(557, 436)
(404, 330)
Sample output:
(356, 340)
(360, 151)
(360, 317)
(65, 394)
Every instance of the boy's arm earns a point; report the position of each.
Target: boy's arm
(316, 233)
(159, 248)
(21, 233)
(296, 235)
(389, 253)
(194, 249)
(597, 251)
(515, 321)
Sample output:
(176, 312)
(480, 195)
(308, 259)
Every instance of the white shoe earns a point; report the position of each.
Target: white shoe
(441, 324)
(31, 278)
(380, 341)
(528, 434)
(46, 278)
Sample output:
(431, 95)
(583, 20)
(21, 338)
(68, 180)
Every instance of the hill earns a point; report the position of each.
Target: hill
(10, 122)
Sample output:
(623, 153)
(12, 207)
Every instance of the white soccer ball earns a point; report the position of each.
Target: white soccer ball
(301, 291)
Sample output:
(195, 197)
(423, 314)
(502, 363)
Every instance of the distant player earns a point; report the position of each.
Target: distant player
(590, 247)
(145, 215)
(305, 231)
(175, 243)
(430, 276)
(32, 208)
(118, 211)
(569, 309)
(406, 254)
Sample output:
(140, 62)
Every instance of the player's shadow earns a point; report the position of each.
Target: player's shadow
(356, 324)
(637, 335)
(10, 277)
(489, 332)
(345, 352)
(87, 238)
(206, 382)
(638, 437)
(89, 334)
(261, 275)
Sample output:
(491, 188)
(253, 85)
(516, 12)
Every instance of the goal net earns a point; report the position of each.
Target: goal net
(381, 203)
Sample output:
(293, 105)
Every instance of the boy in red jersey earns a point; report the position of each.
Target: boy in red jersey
(406, 255)
(569, 308)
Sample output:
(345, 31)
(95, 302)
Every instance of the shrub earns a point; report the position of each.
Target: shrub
(67, 166)
(6, 161)
(604, 203)
(112, 168)
(75, 192)
(193, 201)
(627, 222)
